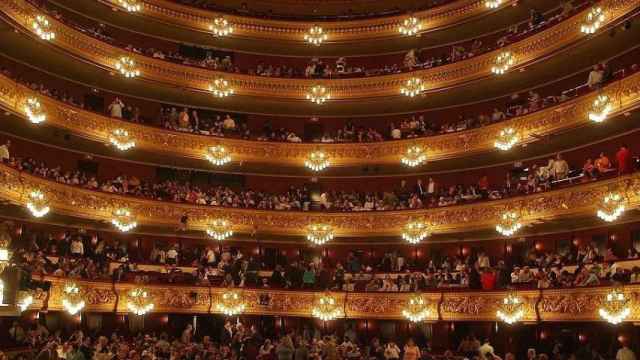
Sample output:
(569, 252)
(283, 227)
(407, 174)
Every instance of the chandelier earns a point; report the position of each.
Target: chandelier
(218, 155)
(139, 301)
(593, 21)
(315, 35)
(412, 87)
(230, 303)
(493, 4)
(326, 308)
(415, 231)
(416, 309)
(219, 229)
(221, 27)
(612, 207)
(37, 204)
(130, 5)
(24, 300)
(615, 307)
(34, 111)
(507, 139)
(123, 220)
(72, 302)
(42, 28)
(220, 88)
(511, 309)
(318, 94)
(127, 67)
(410, 26)
(319, 234)
(317, 161)
(600, 108)
(509, 223)
(503, 62)
(414, 156)
(120, 139)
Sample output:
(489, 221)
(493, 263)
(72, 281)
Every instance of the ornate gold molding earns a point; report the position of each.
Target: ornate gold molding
(534, 47)
(625, 95)
(576, 304)
(282, 30)
(579, 200)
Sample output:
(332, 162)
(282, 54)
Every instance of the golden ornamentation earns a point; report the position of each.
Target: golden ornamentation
(416, 309)
(34, 111)
(221, 27)
(42, 28)
(493, 4)
(318, 94)
(231, 303)
(613, 205)
(218, 155)
(593, 21)
(121, 139)
(410, 26)
(615, 308)
(412, 87)
(414, 156)
(315, 35)
(130, 5)
(327, 308)
(123, 219)
(72, 300)
(507, 139)
(415, 231)
(219, 229)
(317, 161)
(503, 62)
(509, 223)
(37, 204)
(127, 67)
(600, 109)
(511, 310)
(319, 234)
(221, 88)
(139, 301)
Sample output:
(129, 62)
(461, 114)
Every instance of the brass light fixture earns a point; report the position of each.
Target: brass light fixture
(615, 308)
(130, 5)
(221, 88)
(511, 309)
(317, 161)
(612, 207)
(415, 231)
(320, 234)
(416, 309)
(507, 139)
(414, 156)
(139, 301)
(410, 26)
(593, 21)
(34, 111)
(24, 299)
(221, 27)
(316, 35)
(493, 4)
(42, 28)
(318, 94)
(37, 204)
(327, 308)
(127, 67)
(600, 109)
(509, 223)
(72, 300)
(123, 219)
(121, 139)
(503, 62)
(218, 155)
(231, 303)
(219, 229)
(412, 87)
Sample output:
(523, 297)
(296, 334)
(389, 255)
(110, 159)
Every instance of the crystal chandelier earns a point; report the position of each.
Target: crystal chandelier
(317, 161)
(230, 303)
(507, 139)
(219, 229)
(42, 28)
(130, 5)
(121, 140)
(37, 204)
(24, 300)
(510, 309)
(127, 67)
(612, 207)
(34, 111)
(615, 308)
(503, 63)
(218, 155)
(415, 231)
(412, 87)
(220, 88)
(319, 234)
(593, 21)
(315, 35)
(318, 94)
(493, 4)
(600, 108)
(221, 27)
(410, 26)
(123, 220)
(326, 308)
(139, 301)
(509, 223)
(72, 302)
(416, 309)
(414, 156)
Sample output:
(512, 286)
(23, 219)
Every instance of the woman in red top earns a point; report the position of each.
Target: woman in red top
(623, 156)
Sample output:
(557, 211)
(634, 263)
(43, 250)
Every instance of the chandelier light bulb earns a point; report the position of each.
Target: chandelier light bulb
(416, 309)
(412, 87)
(25, 299)
(507, 139)
(231, 303)
(121, 140)
(410, 26)
(511, 309)
(72, 302)
(221, 88)
(317, 161)
(127, 67)
(612, 207)
(414, 156)
(509, 224)
(42, 28)
(615, 308)
(593, 21)
(326, 308)
(139, 301)
(415, 231)
(34, 111)
(319, 234)
(315, 35)
(218, 155)
(123, 220)
(493, 4)
(318, 94)
(503, 62)
(600, 109)
(130, 5)
(219, 229)
(37, 204)
(221, 27)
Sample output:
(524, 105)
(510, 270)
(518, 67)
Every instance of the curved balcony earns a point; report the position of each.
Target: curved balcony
(528, 50)
(572, 202)
(577, 304)
(561, 118)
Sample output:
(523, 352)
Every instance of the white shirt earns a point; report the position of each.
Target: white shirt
(396, 133)
(77, 247)
(484, 350)
(4, 152)
(172, 254)
(116, 109)
(625, 354)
